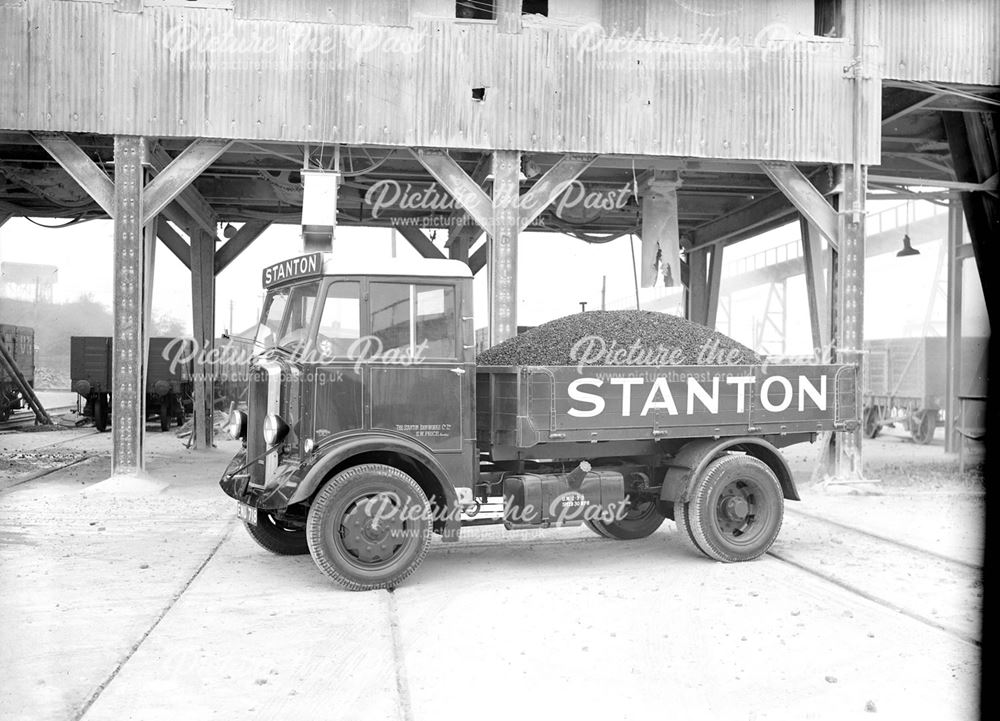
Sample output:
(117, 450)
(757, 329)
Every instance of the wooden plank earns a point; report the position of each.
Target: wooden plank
(203, 324)
(180, 173)
(81, 168)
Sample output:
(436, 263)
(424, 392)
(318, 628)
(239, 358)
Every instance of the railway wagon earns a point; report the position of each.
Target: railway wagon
(369, 427)
(169, 383)
(905, 382)
(20, 343)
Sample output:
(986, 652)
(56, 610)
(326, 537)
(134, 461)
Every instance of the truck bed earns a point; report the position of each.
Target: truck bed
(521, 407)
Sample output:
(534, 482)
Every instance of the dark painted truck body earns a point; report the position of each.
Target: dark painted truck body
(168, 378)
(342, 441)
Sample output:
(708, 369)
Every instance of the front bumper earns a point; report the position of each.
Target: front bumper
(277, 490)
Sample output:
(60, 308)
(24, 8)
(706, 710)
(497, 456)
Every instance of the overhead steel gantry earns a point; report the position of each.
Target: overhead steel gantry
(715, 144)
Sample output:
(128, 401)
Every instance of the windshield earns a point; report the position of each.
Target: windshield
(287, 316)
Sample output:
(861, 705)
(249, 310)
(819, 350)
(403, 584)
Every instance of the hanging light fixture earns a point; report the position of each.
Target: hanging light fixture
(907, 248)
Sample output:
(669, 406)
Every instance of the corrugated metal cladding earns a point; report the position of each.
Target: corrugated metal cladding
(339, 12)
(170, 71)
(942, 40)
(709, 21)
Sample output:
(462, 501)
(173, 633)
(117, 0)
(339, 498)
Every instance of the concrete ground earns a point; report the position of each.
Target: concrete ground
(143, 599)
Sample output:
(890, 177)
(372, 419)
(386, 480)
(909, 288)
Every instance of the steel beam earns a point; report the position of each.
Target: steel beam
(203, 322)
(714, 286)
(805, 197)
(420, 242)
(179, 174)
(130, 334)
(505, 224)
(460, 186)
(175, 243)
(459, 249)
(477, 261)
(81, 168)
(231, 249)
(956, 226)
(461, 226)
(988, 185)
(189, 198)
(550, 186)
(973, 160)
(815, 266)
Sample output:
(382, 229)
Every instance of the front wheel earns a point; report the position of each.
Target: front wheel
(641, 519)
(735, 510)
(923, 425)
(369, 527)
(276, 536)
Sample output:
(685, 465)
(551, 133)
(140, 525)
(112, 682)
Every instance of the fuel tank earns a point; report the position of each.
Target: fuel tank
(533, 500)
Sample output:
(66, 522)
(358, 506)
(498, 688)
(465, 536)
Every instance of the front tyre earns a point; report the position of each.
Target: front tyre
(276, 536)
(369, 527)
(736, 509)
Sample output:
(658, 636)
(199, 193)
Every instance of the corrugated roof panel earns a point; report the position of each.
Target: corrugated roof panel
(942, 40)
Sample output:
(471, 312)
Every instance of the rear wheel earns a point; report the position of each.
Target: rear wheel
(277, 536)
(872, 425)
(369, 527)
(101, 412)
(736, 509)
(164, 415)
(641, 519)
(923, 425)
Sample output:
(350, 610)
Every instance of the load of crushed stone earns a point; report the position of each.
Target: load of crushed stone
(619, 337)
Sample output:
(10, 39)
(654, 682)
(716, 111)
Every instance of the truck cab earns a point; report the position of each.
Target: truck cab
(369, 364)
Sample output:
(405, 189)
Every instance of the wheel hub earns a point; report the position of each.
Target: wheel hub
(735, 508)
(368, 534)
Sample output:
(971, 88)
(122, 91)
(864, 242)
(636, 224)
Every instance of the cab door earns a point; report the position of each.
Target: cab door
(419, 384)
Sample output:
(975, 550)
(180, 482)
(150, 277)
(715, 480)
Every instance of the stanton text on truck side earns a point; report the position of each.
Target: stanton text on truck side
(369, 427)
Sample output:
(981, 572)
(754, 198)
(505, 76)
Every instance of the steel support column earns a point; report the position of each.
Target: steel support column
(502, 264)
(956, 227)
(697, 295)
(661, 244)
(849, 300)
(714, 286)
(203, 323)
(130, 333)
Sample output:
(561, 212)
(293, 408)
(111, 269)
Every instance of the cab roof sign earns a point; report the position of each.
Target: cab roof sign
(302, 267)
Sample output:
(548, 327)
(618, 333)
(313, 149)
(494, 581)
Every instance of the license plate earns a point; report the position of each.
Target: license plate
(246, 513)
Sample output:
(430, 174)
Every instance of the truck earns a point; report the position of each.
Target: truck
(369, 428)
(169, 384)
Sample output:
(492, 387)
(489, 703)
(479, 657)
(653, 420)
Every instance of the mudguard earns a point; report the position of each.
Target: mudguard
(335, 452)
(686, 467)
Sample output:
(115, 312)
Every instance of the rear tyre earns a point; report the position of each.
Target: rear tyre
(101, 412)
(596, 528)
(872, 426)
(683, 526)
(369, 527)
(923, 426)
(736, 509)
(275, 536)
(164, 415)
(641, 520)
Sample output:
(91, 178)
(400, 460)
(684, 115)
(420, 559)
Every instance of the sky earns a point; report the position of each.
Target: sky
(555, 274)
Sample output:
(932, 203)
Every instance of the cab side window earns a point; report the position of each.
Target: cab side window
(435, 322)
(340, 324)
(414, 320)
(390, 311)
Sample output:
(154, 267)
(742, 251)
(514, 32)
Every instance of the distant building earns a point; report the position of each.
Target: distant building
(29, 282)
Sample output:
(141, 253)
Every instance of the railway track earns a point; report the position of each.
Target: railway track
(883, 570)
(7, 485)
(26, 418)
